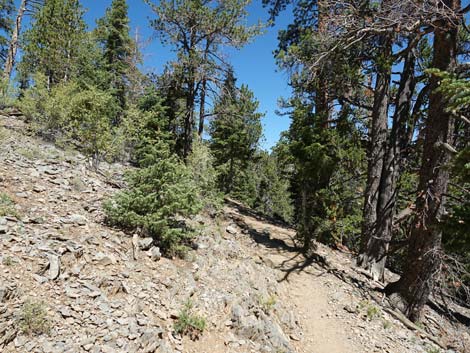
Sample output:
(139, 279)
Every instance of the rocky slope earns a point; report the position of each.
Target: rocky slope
(69, 283)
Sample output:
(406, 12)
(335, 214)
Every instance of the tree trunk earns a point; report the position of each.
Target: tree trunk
(202, 108)
(13, 48)
(376, 153)
(188, 125)
(322, 109)
(377, 246)
(412, 291)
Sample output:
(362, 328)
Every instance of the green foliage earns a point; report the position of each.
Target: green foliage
(267, 303)
(326, 182)
(160, 194)
(433, 349)
(74, 115)
(113, 34)
(6, 22)
(235, 134)
(8, 93)
(198, 32)
(51, 46)
(371, 311)
(8, 261)
(200, 164)
(33, 319)
(455, 89)
(273, 197)
(7, 206)
(189, 323)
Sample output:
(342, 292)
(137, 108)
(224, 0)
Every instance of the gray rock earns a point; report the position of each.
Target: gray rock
(78, 219)
(145, 243)
(54, 267)
(231, 230)
(39, 188)
(155, 253)
(165, 348)
(104, 259)
(7, 292)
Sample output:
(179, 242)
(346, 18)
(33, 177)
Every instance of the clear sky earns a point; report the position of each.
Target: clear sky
(254, 65)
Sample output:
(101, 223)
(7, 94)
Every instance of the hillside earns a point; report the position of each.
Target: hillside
(69, 283)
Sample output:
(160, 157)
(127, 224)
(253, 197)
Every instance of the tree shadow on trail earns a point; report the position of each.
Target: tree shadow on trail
(298, 261)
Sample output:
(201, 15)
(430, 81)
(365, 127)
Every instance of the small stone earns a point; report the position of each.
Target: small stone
(145, 244)
(294, 337)
(104, 259)
(39, 188)
(231, 230)
(78, 219)
(155, 253)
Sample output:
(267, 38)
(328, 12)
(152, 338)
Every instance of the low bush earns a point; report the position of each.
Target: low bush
(33, 319)
(189, 323)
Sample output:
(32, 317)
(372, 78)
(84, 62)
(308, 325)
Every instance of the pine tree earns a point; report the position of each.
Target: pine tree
(423, 260)
(6, 26)
(198, 31)
(113, 34)
(160, 192)
(235, 133)
(273, 197)
(52, 43)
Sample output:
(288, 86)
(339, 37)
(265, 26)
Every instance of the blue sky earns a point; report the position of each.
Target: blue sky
(254, 64)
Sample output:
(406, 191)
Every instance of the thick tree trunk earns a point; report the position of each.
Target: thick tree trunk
(377, 246)
(13, 48)
(412, 291)
(376, 153)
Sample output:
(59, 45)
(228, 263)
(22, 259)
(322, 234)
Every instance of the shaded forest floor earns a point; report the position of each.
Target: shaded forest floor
(69, 283)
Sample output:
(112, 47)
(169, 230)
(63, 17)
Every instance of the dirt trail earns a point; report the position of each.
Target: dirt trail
(304, 286)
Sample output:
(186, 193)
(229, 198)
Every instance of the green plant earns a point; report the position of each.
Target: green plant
(3, 134)
(267, 303)
(31, 152)
(73, 114)
(433, 349)
(33, 318)
(200, 163)
(7, 206)
(8, 261)
(189, 323)
(161, 194)
(373, 312)
(387, 324)
(7, 94)
(77, 184)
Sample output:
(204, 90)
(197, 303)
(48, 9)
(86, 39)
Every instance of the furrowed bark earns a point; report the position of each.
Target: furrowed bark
(376, 153)
(377, 246)
(411, 292)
